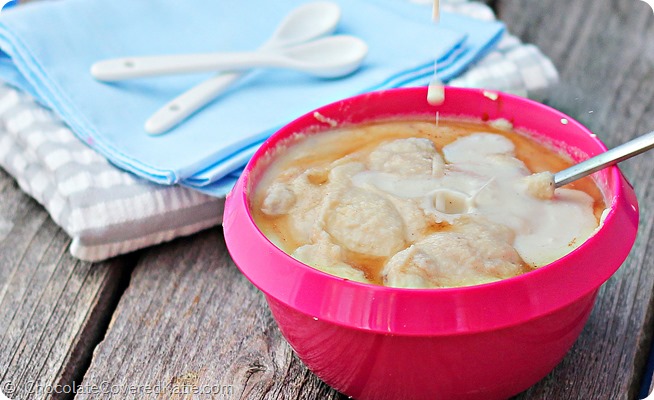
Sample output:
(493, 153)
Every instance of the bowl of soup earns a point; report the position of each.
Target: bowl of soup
(407, 252)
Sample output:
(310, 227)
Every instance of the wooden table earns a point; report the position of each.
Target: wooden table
(181, 313)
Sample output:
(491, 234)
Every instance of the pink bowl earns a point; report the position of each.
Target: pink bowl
(488, 341)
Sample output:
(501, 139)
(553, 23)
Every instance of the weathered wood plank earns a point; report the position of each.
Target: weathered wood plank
(53, 308)
(189, 317)
(605, 53)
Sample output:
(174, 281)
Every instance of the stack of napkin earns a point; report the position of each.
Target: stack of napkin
(64, 157)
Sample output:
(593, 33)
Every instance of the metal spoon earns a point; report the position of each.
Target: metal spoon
(327, 57)
(305, 23)
(626, 150)
(542, 184)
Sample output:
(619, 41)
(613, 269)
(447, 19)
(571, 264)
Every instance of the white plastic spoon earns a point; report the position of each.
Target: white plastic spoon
(305, 23)
(327, 57)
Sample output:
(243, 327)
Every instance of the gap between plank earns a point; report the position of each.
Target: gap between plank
(95, 331)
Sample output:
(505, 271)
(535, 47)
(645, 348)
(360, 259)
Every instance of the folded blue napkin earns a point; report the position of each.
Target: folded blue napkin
(48, 48)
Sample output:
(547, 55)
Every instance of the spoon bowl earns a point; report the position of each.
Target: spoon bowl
(328, 57)
(305, 23)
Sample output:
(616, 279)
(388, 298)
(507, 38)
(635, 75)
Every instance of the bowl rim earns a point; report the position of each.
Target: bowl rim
(528, 286)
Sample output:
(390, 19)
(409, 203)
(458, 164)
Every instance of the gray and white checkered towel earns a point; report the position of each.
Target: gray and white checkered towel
(108, 212)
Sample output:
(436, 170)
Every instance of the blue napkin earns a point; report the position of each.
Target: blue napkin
(48, 48)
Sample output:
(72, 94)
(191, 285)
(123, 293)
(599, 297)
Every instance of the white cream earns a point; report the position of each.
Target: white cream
(436, 91)
(483, 178)
(435, 11)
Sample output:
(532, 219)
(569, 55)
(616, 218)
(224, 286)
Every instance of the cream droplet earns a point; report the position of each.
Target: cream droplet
(435, 12)
(436, 93)
(325, 120)
(491, 95)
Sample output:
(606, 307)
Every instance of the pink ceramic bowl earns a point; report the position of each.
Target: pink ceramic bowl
(481, 342)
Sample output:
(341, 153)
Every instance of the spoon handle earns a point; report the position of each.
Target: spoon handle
(135, 67)
(305, 23)
(188, 102)
(624, 151)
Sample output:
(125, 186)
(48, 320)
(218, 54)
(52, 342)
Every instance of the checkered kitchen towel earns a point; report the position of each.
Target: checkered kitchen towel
(108, 212)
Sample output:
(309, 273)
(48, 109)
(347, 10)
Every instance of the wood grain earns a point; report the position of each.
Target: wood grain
(605, 53)
(53, 308)
(190, 318)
